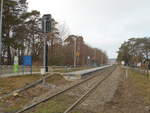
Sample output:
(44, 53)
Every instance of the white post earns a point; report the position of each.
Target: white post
(126, 74)
(1, 22)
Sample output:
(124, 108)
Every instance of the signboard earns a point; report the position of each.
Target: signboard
(16, 62)
(27, 60)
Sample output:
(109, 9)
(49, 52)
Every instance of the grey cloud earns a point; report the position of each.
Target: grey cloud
(104, 23)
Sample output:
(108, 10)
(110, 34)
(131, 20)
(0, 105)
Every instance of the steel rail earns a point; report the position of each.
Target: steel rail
(26, 87)
(56, 94)
(87, 93)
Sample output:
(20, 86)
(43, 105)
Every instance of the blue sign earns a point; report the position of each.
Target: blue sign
(27, 60)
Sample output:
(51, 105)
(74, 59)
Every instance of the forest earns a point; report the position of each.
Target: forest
(135, 52)
(22, 36)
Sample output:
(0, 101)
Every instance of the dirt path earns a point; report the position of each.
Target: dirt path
(132, 96)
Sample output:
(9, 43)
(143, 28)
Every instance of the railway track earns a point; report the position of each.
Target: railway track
(26, 87)
(87, 93)
(94, 81)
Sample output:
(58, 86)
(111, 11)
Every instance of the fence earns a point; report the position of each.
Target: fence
(9, 69)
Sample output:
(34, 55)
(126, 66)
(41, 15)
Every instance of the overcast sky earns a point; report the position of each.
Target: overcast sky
(104, 24)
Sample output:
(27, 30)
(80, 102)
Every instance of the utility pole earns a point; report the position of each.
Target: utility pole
(1, 23)
(46, 27)
(95, 57)
(44, 47)
(75, 47)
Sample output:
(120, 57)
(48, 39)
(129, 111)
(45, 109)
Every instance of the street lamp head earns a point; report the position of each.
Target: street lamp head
(46, 17)
(46, 23)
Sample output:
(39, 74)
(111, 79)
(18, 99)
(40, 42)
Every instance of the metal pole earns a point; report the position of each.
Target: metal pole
(95, 57)
(44, 55)
(1, 22)
(75, 44)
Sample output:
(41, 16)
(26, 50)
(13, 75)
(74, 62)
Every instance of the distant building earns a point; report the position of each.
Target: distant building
(112, 61)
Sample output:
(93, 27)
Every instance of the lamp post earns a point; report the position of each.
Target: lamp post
(1, 21)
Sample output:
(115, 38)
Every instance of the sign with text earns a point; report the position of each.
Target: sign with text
(27, 60)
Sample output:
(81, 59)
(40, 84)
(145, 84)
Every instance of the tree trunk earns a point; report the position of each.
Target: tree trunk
(9, 60)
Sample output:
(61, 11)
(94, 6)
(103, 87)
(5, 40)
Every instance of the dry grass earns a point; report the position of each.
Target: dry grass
(56, 79)
(57, 105)
(12, 104)
(12, 83)
(142, 83)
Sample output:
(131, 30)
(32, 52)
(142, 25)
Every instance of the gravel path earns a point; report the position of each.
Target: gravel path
(104, 93)
(79, 91)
